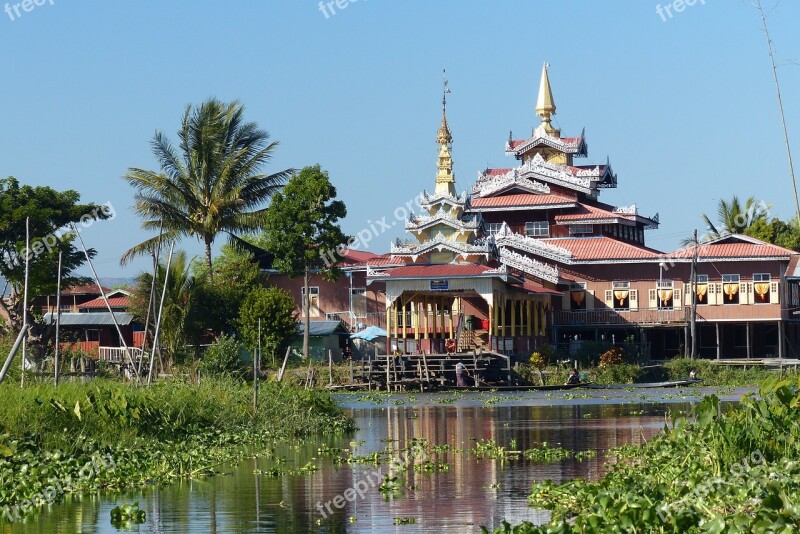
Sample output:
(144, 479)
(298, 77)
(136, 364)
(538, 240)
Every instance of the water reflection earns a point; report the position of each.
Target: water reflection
(471, 493)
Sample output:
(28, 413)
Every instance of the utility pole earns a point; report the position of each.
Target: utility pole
(25, 297)
(780, 107)
(58, 323)
(693, 277)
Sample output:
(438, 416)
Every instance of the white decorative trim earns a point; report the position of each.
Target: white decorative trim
(529, 244)
(502, 269)
(541, 136)
(372, 273)
(550, 171)
(589, 173)
(430, 200)
(529, 265)
(471, 223)
(439, 242)
(489, 185)
(626, 210)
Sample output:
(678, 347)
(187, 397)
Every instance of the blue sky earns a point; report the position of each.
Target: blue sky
(684, 107)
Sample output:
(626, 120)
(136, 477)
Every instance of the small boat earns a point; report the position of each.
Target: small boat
(553, 387)
(646, 385)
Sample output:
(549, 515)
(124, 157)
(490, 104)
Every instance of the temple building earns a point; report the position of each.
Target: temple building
(532, 256)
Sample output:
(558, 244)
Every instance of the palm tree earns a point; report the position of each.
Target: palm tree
(733, 218)
(179, 301)
(210, 184)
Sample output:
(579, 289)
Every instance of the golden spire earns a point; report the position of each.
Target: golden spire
(545, 105)
(445, 181)
(444, 137)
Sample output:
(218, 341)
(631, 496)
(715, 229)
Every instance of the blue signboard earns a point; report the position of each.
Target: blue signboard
(439, 285)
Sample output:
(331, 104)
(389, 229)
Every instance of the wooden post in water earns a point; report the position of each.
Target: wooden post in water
(475, 364)
(352, 377)
(57, 357)
(283, 367)
(388, 375)
(256, 356)
(330, 367)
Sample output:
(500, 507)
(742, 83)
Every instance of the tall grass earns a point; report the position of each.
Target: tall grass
(111, 412)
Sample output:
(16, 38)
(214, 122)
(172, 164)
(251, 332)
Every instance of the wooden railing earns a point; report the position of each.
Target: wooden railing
(653, 316)
(117, 354)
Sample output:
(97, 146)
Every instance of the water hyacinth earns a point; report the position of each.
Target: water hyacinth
(80, 438)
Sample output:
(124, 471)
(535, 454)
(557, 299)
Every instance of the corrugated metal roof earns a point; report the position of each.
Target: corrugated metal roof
(90, 319)
(587, 212)
(322, 328)
(793, 270)
(521, 200)
(735, 246)
(603, 248)
(85, 289)
(114, 302)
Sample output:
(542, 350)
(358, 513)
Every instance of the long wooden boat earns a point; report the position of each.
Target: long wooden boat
(646, 385)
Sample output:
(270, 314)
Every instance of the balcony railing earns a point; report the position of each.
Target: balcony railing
(358, 322)
(652, 316)
(117, 354)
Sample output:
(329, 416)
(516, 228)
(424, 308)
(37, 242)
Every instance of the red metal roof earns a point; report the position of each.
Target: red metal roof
(447, 270)
(115, 302)
(385, 259)
(588, 212)
(534, 287)
(85, 289)
(521, 200)
(497, 172)
(735, 246)
(604, 248)
(356, 258)
(792, 270)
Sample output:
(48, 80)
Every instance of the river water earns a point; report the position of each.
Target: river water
(470, 493)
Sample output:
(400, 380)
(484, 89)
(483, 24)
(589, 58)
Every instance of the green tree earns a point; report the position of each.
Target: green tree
(777, 232)
(180, 301)
(275, 308)
(224, 359)
(735, 218)
(210, 184)
(302, 227)
(236, 274)
(52, 214)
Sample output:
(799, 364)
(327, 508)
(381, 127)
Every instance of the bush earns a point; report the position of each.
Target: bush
(224, 359)
(621, 373)
(589, 352)
(612, 356)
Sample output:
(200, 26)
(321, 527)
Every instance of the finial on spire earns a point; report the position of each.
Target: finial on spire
(444, 137)
(545, 105)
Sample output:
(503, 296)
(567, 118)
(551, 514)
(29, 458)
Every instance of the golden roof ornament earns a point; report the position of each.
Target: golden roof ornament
(545, 105)
(444, 137)
(445, 181)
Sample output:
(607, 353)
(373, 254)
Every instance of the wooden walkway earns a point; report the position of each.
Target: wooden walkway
(770, 363)
(428, 371)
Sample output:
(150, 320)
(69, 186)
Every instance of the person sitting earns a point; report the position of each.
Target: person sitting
(461, 370)
(574, 377)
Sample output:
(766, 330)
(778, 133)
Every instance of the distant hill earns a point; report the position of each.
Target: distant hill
(118, 282)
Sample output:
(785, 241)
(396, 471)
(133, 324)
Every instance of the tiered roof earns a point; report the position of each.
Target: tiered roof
(445, 229)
